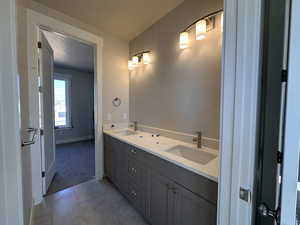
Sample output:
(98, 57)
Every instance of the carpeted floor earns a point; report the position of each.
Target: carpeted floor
(75, 164)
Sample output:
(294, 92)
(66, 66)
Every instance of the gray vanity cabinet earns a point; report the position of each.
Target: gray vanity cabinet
(164, 193)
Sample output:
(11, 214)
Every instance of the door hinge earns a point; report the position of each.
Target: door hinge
(43, 174)
(41, 132)
(40, 89)
(279, 157)
(39, 44)
(245, 194)
(284, 76)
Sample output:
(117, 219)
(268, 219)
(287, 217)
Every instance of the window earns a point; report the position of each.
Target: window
(62, 102)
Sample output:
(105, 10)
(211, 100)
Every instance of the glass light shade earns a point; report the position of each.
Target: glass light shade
(135, 61)
(146, 58)
(200, 29)
(184, 40)
(130, 65)
(222, 21)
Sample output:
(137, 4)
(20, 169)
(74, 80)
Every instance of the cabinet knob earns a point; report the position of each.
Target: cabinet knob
(133, 151)
(133, 194)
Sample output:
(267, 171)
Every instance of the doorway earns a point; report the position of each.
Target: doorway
(36, 23)
(277, 186)
(72, 83)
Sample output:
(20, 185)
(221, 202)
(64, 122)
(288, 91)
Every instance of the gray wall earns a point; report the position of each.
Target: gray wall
(82, 105)
(180, 89)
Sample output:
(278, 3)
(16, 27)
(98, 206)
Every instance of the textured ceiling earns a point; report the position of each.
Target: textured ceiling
(124, 18)
(70, 53)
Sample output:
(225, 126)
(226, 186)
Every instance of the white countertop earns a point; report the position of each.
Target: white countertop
(158, 146)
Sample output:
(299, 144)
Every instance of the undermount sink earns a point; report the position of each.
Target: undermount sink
(191, 154)
(126, 132)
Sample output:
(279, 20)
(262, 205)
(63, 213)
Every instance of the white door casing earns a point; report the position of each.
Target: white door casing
(46, 60)
(11, 195)
(239, 108)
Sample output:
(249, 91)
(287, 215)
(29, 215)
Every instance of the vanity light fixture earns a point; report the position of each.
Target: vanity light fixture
(144, 57)
(203, 25)
(184, 40)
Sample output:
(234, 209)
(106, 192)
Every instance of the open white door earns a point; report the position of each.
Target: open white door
(290, 194)
(46, 102)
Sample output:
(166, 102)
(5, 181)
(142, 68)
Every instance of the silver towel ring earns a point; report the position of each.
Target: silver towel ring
(116, 102)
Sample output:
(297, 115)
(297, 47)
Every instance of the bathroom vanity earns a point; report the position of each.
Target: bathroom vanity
(165, 190)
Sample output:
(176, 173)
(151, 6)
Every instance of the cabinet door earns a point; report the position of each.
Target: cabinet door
(160, 200)
(107, 157)
(190, 209)
(121, 166)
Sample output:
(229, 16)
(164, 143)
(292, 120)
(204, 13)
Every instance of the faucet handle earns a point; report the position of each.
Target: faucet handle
(199, 133)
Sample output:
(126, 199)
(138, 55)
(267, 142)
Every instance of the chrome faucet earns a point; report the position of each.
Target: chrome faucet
(198, 139)
(135, 123)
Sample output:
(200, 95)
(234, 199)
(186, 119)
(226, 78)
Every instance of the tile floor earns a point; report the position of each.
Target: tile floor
(90, 203)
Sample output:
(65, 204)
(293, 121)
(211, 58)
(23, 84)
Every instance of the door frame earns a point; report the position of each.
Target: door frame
(11, 189)
(241, 72)
(35, 21)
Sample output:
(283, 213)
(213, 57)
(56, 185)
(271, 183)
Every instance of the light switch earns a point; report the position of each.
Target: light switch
(125, 116)
(109, 117)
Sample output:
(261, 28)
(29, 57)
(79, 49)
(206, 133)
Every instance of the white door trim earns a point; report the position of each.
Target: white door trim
(35, 21)
(11, 197)
(239, 108)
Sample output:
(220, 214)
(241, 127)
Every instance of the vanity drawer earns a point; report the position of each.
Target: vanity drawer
(136, 172)
(136, 154)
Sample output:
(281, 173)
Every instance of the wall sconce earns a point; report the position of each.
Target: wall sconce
(130, 65)
(184, 40)
(144, 57)
(135, 61)
(203, 25)
(222, 21)
(200, 29)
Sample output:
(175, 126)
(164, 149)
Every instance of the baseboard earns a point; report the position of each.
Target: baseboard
(71, 140)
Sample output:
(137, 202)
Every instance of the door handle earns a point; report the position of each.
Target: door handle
(265, 211)
(33, 139)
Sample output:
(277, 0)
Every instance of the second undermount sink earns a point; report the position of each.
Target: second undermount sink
(126, 132)
(195, 155)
